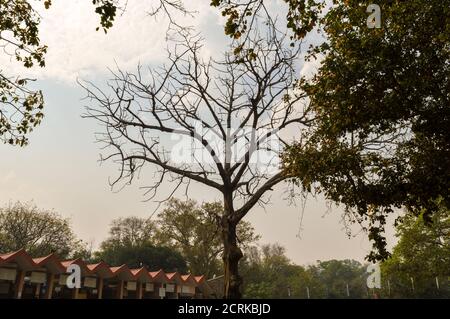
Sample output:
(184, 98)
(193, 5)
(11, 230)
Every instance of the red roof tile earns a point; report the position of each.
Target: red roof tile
(171, 275)
(9, 256)
(189, 279)
(20, 257)
(153, 274)
(123, 272)
(50, 262)
(101, 269)
(84, 267)
(141, 274)
(199, 279)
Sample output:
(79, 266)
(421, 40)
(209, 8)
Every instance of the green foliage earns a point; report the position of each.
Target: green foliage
(381, 140)
(422, 253)
(107, 10)
(131, 232)
(193, 230)
(20, 107)
(302, 15)
(39, 232)
(132, 241)
(185, 236)
(145, 254)
(333, 276)
(83, 251)
(268, 273)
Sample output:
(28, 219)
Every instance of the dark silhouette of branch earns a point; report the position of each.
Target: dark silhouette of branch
(225, 112)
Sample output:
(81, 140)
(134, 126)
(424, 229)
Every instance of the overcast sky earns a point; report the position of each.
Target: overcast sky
(60, 170)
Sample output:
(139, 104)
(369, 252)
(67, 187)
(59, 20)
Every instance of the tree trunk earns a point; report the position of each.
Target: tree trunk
(231, 256)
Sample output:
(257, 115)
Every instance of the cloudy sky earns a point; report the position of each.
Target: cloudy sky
(60, 169)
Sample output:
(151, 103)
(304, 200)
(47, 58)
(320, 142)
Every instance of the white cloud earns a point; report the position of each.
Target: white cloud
(77, 50)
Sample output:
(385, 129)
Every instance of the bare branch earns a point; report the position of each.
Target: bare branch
(222, 116)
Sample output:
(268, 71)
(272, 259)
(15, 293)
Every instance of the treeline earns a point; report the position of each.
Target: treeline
(268, 273)
(419, 267)
(185, 237)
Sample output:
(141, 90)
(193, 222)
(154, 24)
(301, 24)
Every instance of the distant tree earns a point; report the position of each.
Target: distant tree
(145, 254)
(134, 241)
(39, 232)
(84, 251)
(310, 281)
(193, 230)
(131, 232)
(268, 273)
(423, 254)
(335, 275)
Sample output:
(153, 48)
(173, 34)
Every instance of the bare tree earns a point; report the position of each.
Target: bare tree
(230, 116)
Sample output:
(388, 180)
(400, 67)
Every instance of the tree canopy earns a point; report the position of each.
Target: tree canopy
(20, 107)
(381, 140)
(184, 232)
(40, 232)
(381, 97)
(134, 241)
(143, 255)
(269, 273)
(301, 15)
(422, 254)
(131, 232)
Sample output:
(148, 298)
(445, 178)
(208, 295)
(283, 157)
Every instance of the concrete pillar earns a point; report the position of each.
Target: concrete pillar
(139, 290)
(100, 288)
(50, 285)
(120, 287)
(37, 291)
(20, 280)
(75, 293)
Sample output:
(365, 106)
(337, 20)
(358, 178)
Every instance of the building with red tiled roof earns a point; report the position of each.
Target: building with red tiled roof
(46, 278)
